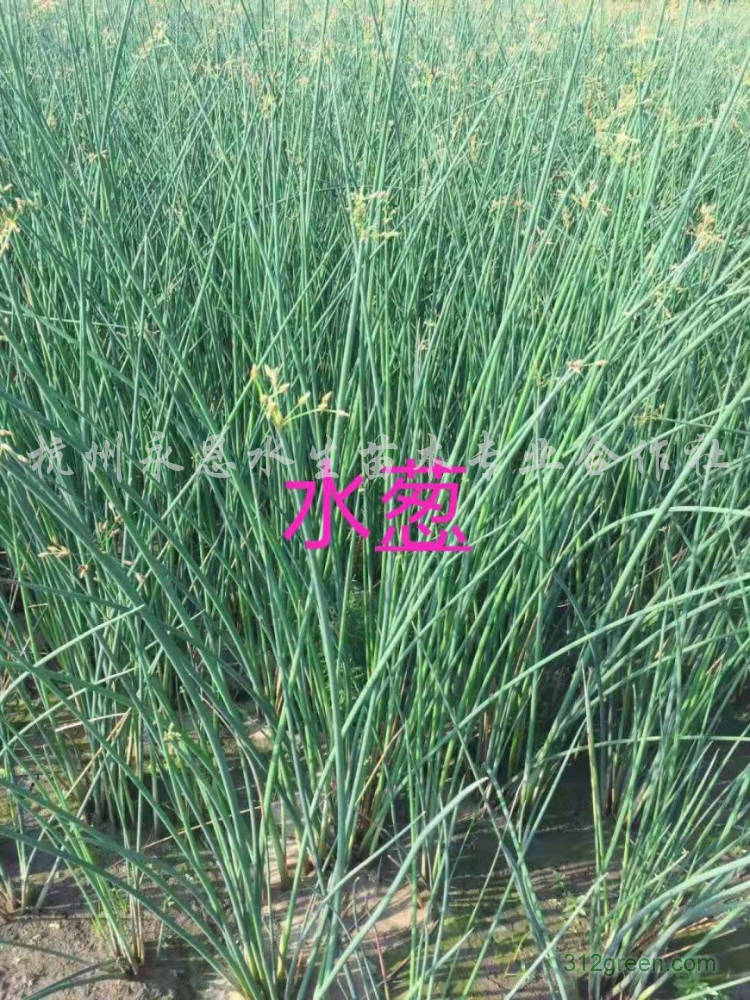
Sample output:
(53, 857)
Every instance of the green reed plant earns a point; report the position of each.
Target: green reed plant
(272, 225)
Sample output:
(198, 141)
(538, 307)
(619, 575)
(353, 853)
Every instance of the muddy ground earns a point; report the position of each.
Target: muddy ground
(62, 942)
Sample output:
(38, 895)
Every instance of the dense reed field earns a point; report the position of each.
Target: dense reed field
(269, 235)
